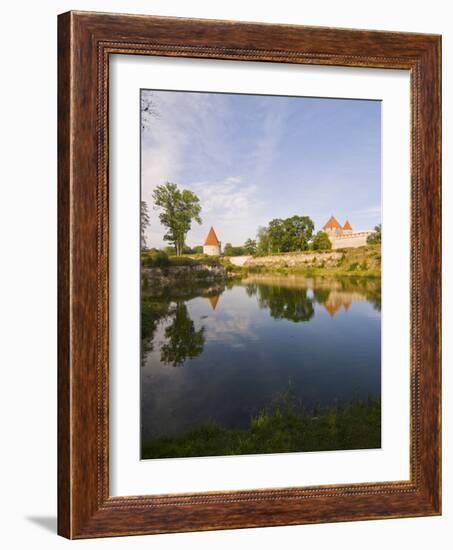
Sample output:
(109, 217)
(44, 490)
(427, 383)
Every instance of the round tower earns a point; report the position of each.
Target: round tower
(212, 245)
(347, 229)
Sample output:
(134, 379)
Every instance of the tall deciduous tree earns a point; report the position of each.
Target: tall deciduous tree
(178, 209)
(144, 222)
(276, 234)
(290, 234)
(250, 246)
(263, 241)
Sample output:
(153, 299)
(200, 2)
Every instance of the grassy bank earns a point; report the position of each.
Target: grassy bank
(363, 261)
(309, 271)
(158, 258)
(278, 430)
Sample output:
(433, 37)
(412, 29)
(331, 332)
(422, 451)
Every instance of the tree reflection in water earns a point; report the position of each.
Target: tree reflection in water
(286, 303)
(182, 340)
(284, 298)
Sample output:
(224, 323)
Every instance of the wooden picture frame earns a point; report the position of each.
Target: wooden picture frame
(85, 42)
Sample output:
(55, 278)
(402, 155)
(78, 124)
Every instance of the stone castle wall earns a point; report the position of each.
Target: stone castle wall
(350, 241)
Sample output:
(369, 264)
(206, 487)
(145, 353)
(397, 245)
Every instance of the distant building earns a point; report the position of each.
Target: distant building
(344, 236)
(347, 229)
(212, 245)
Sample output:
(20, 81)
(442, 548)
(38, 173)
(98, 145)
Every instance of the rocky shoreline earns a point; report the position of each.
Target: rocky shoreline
(171, 275)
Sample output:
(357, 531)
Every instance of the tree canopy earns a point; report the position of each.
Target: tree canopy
(262, 235)
(250, 246)
(178, 209)
(230, 250)
(321, 241)
(375, 238)
(290, 234)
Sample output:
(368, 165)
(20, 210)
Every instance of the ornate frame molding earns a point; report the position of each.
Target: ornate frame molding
(86, 40)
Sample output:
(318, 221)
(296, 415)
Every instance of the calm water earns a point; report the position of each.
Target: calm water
(223, 353)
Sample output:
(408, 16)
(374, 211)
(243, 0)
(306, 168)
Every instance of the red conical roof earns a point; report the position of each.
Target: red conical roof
(213, 300)
(211, 238)
(332, 308)
(347, 225)
(332, 224)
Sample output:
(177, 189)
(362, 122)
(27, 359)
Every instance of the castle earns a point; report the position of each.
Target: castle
(340, 237)
(212, 246)
(343, 236)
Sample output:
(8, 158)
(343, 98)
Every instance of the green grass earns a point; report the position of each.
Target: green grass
(364, 261)
(159, 258)
(315, 271)
(280, 429)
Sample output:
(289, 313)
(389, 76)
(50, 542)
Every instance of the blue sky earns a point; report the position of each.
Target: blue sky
(253, 158)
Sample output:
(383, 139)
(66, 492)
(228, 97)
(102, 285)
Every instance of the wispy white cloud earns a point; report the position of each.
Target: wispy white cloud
(231, 206)
(191, 136)
(266, 146)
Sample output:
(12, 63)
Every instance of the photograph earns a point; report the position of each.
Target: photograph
(225, 275)
(260, 265)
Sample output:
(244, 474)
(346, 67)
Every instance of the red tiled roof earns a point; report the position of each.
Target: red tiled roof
(332, 224)
(347, 225)
(211, 238)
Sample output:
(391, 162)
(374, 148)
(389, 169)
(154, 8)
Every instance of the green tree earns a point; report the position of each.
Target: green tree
(250, 246)
(321, 241)
(375, 238)
(276, 233)
(178, 210)
(262, 235)
(228, 249)
(144, 222)
(290, 234)
(298, 232)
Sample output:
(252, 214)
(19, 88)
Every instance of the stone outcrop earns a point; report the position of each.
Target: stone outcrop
(291, 260)
(171, 275)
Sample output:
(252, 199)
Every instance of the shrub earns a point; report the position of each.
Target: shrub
(183, 261)
(155, 258)
(342, 260)
(353, 266)
(363, 266)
